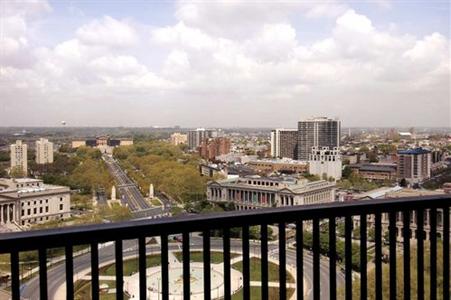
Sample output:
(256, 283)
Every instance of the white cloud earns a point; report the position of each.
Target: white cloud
(236, 58)
(107, 32)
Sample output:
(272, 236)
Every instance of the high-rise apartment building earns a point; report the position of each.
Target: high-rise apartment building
(317, 132)
(178, 138)
(284, 143)
(44, 152)
(19, 157)
(196, 137)
(325, 163)
(414, 165)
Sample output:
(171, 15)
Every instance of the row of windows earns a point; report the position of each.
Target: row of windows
(41, 210)
(35, 202)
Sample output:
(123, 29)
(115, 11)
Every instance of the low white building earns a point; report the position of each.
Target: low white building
(325, 162)
(24, 201)
(253, 192)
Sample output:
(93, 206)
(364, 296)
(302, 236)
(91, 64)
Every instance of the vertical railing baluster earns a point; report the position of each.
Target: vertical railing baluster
(392, 250)
(69, 272)
(186, 265)
(316, 261)
(207, 264)
(164, 268)
(433, 250)
(142, 261)
(446, 287)
(378, 255)
(42, 252)
(15, 276)
(348, 257)
(406, 253)
(246, 264)
(94, 271)
(282, 262)
(264, 260)
(299, 260)
(363, 258)
(332, 259)
(226, 248)
(420, 254)
(119, 270)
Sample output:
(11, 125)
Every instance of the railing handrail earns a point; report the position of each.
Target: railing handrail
(98, 233)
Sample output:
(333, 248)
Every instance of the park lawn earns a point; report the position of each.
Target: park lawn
(198, 256)
(130, 266)
(273, 293)
(155, 202)
(83, 290)
(255, 264)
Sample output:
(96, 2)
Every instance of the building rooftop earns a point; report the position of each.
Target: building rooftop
(414, 151)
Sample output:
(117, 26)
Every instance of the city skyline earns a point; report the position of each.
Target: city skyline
(224, 64)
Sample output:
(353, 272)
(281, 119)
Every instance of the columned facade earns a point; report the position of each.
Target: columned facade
(8, 213)
(253, 192)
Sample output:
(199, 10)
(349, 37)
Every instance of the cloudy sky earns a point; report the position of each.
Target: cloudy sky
(224, 64)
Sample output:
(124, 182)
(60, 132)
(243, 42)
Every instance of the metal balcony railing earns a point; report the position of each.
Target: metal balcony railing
(312, 216)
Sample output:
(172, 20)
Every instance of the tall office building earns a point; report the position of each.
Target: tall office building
(414, 165)
(317, 132)
(196, 137)
(19, 157)
(44, 152)
(284, 143)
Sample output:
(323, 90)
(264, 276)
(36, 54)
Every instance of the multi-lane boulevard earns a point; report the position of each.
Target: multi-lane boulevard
(56, 274)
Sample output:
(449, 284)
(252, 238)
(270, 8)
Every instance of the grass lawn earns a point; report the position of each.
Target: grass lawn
(130, 266)
(197, 256)
(83, 290)
(273, 270)
(273, 294)
(155, 202)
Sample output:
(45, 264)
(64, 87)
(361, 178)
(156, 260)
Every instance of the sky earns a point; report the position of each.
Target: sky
(224, 63)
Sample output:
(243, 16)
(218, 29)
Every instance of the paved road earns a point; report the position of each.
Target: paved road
(56, 274)
(131, 195)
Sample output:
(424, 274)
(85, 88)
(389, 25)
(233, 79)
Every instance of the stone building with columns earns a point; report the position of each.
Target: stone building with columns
(254, 192)
(25, 201)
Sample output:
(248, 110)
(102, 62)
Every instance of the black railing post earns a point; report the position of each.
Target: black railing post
(363, 258)
(142, 261)
(348, 257)
(186, 265)
(392, 250)
(264, 260)
(119, 270)
(446, 266)
(433, 250)
(246, 264)
(69, 273)
(282, 262)
(406, 254)
(226, 247)
(420, 254)
(299, 260)
(164, 267)
(94, 271)
(316, 261)
(15, 277)
(207, 264)
(42, 252)
(332, 259)
(378, 255)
